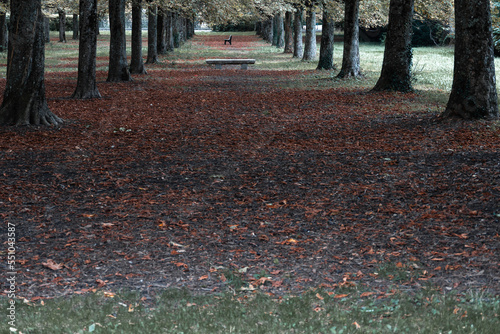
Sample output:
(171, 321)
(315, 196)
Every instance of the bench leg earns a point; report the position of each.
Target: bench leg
(218, 66)
(244, 66)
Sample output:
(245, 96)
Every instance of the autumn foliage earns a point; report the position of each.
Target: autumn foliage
(177, 174)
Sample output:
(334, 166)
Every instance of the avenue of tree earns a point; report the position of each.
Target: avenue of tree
(170, 23)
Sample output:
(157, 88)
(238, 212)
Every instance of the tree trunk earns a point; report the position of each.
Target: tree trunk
(169, 32)
(280, 31)
(136, 62)
(160, 30)
(175, 30)
(298, 47)
(327, 38)
(182, 29)
(24, 100)
(396, 67)
(62, 25)
(46, 29)
(3, 28)
(350, 59)
(288, 33)
(152, 35)
(258, 28)
(310, 47)
(86, 87)
(76, 31)
(473, 94)
(189, 28)
(118, 67)
(275, 30)
(268, 30)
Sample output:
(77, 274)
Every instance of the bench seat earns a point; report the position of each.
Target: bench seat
(219, 62)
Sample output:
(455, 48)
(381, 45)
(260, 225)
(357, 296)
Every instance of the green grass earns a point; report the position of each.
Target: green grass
(344, 311)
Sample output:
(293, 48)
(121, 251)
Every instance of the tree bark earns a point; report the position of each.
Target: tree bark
(396, 67)
(76, 31)
(62, 25)
(118, 67)
(350, 60)
(175, 30)
(86, 87)
(169, 32)
(3, 32)
(298, 47)
(160, 30)
(473, 94)
(327, 38)
(136, 62)
(152, 35)
(24, 101)
(46, 29)
(310, 45)
(288, 33)
(267, 29)
(280, 31)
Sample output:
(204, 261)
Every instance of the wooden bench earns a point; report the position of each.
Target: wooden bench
(219, 62)
(228, 40)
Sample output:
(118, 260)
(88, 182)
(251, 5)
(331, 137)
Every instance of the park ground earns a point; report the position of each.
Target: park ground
(277, 179)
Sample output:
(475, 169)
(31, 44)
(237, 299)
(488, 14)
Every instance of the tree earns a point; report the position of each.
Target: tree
(310, 45)
(3, 25)
(327, 39)
(75, 27)
(62, 25)
(396, 67)
(152, 35)
(350, 59)
(288, 32)
(136, 62)
(169, 35)
(280, 33)
(161, 31)
(24, 101)
(473, 94)
(298, 48)
(86, 86)
(118, 67)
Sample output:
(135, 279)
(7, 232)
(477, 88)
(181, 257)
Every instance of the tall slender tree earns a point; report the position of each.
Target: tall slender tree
(24, 100)
(3, 26)
(298, 47)
(288, 32)
(350, 59)
(327, 39)
(473, 94)
(396, 67)
(86, 86)
(118, 67)
(136, 62)
(62, 25)
(310, 43)
(152, 34)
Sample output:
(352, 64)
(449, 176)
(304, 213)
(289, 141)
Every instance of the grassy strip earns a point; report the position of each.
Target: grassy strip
(178, 311)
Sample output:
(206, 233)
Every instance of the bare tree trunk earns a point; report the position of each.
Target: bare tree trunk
(24, 100)
(152, 35)
(396, 68)
(46, 29)
(86, 86)
(175, 29)
(76, 32)
(136, 62)
(327, 38)
(280, 31)
(310, 47)
(473, 94)
(118, 67)
(288, 33)
(298, 48)
(62, 25)
(169, 32)
(268, 30)
(3, 32)
(350, 60)
(160, 30)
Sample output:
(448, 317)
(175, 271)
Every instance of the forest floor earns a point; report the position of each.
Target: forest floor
(229, 179)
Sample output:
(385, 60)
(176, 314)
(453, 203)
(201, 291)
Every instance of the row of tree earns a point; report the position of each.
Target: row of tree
(474, 88)
(474, 93)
